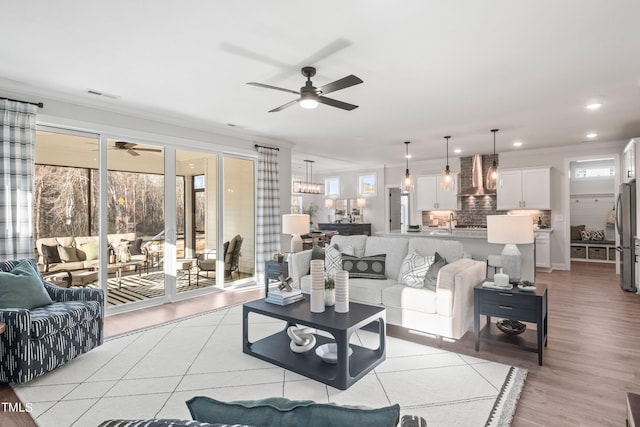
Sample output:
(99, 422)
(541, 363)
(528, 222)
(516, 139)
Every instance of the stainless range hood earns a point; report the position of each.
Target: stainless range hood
(477, 180)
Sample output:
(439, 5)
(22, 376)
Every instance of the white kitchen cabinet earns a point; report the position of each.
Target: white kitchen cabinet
(431, 197)
(524, 189)
(543, 249)
(629, 161)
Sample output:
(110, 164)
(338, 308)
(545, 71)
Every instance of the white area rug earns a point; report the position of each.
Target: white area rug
(152, 372)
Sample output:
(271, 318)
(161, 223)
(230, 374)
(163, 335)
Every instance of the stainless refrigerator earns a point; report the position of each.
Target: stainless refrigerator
(626, 226)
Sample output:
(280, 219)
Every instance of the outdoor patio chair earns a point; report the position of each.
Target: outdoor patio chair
(207, 262)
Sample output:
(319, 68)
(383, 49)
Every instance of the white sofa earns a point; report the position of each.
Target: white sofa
(445, 312)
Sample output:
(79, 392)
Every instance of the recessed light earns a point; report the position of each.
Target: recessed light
(592, 135)
(517, 144)
(457, 151)
(408, 156)
(594, 106)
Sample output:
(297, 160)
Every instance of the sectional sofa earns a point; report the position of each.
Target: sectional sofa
(444, 310)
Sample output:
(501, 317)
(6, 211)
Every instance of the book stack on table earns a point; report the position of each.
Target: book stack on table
(280, 297)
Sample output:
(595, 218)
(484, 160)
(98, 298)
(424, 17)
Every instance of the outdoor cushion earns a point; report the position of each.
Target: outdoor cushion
(53, 318)
(22, 288)
(282, 412)
(51, 254)
(68, 254)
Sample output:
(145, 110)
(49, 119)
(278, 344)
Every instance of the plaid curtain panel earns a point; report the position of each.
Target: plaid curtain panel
(268, 208)
(17, 135)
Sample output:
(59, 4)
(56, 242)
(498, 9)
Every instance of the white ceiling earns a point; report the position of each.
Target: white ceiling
(430, 69)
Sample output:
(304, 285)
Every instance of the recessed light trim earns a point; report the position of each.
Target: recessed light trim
(457, 151)
(517, 144)
(592, 135)
(594, 106)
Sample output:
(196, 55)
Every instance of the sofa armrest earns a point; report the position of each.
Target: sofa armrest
(299, 266)
(455, 285)
(73, 294)
(16, 336)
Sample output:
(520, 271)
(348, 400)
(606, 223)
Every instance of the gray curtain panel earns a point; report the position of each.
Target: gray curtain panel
(17, 136)
(268, 208)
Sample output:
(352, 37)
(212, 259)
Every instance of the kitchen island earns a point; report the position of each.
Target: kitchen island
(474, 241)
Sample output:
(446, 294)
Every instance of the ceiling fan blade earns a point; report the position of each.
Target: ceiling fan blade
(335, 103)
(282, 107)
(343, 83)
(273, 87)
(133, 152)
(123, 145)
(155, 150)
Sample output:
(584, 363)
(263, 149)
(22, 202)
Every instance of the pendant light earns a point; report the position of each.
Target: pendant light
(446, 180)
(307, 186)
(492, 173)
(406, 184)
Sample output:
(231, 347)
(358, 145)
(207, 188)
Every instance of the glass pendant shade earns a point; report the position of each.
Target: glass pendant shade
(406, 185)
(492, 172)
(446, 180)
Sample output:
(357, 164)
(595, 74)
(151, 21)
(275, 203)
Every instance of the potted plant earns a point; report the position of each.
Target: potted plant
(329, 291)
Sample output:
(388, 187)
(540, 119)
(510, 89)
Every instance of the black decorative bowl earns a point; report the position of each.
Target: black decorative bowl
(511, 327)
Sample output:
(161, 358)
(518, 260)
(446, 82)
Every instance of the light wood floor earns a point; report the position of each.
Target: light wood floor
(591, 361)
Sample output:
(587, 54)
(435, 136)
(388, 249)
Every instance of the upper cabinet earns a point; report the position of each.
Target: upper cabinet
(629, 161)
(431, 197)
(524, 189)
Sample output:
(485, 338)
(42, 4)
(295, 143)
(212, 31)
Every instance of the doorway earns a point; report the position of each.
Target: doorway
(398, 210)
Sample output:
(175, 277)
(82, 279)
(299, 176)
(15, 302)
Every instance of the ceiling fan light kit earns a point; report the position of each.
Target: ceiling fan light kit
(311, 96)
(492, 173)
(446, 181)
(406, 185)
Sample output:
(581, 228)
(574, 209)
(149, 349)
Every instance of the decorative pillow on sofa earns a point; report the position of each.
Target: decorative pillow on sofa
(90, 251)
(575, 232)
(282, 412)
(367, 267)
(414, 269)
(431, 278)
(317, 252)
(68, 254)
(51, 254)
(22, 288)
(333, 258)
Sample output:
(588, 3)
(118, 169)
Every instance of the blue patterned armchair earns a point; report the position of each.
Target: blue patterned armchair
(39, 340)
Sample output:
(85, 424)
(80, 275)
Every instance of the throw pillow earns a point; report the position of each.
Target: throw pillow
(585, 234)
(282, 412)
(68, 254)
(332, 260)
(50, 254)
(597, 235)
(367, 267)
(135, 247)
(90, 250)
(161, 422)
(431, 278)
(414, 269)
(575, 232)
(317, 252)
(22, 288)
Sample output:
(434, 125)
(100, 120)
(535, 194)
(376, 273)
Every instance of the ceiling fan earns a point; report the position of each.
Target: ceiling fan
(130, 148)
(310, 95)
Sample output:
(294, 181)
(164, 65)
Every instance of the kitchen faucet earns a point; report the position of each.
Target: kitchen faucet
(450, 222)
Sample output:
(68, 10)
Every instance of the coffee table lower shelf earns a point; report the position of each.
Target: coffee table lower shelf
(275, 349)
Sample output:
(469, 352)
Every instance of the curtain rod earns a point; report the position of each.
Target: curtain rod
(264, 146)
(37, 104)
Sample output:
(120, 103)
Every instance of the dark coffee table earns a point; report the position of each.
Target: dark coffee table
(275, 348)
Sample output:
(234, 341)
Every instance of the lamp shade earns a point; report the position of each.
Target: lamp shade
(361, 202)
(506, 229)
(328, 203)
(295, 224)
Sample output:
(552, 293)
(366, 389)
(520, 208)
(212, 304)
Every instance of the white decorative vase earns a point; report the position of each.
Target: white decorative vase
(342, 292)
(316, 304)
(329, 297)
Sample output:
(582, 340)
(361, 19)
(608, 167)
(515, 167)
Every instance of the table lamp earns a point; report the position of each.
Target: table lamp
(328, 203)
(510, 230)
(295, 224)
(361, 202)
